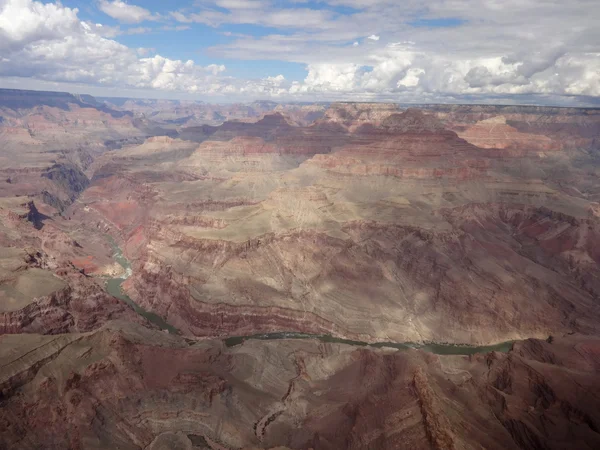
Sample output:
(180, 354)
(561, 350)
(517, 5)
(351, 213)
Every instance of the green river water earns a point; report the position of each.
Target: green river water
(438, 349)
(113, 286)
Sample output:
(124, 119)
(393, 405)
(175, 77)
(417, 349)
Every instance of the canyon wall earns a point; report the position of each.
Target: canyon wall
(373, 223)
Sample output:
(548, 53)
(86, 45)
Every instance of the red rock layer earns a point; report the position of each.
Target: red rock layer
(130, 388)
(80, 307)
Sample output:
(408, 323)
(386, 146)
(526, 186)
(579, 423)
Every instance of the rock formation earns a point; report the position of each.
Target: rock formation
(272, 227)
(368, 222)
(128, 387)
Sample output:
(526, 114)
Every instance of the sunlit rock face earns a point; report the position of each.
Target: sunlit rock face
(369, 222)
(375, 223)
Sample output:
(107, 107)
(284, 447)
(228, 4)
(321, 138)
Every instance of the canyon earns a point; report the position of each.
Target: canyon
(466, 225)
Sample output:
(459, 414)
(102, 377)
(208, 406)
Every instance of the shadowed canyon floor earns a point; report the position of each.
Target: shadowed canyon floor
(338, 225)
(128, 387)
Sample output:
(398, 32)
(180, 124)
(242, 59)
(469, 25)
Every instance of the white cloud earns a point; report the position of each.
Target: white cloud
(278, 80)
(330, 77)
(241, 4)
(124, 12)
(23, 22)
(442, 48)
(437, 49)
(296, 18)
(175, 27)
(411, 79)
(52, 44)
(111, 32)
(167, 74)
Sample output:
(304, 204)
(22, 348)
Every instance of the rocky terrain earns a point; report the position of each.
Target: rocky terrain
(128, 387)
(41, 290)
(374, 223)
(48, 141)
(182, 113)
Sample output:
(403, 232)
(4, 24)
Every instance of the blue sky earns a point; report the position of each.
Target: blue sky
(230, 50)
(194, 42)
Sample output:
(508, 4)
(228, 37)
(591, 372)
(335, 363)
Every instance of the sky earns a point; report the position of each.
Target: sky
(406, 51)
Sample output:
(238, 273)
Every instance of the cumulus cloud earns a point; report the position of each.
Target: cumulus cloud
(124, 12)
(433, 50)
(49, 42)
(325, 78)
(23, 22)
(443, 48)
(278, 80)
(411, 74)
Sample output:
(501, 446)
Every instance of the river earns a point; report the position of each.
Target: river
(114, 288)
(438, 349)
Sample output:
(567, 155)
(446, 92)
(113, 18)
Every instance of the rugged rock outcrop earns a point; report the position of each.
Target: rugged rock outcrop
(41, 290)
(49, 139)
(353, 116)
(125, 386)
(17, 99)
(172, 114)
(80, 306)
(267, 128)
(521, 128)
(388, 229)
(448, 224)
